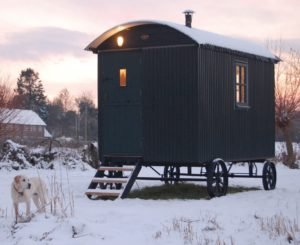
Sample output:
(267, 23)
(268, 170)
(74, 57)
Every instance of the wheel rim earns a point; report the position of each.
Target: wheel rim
(269, 176)
(217, 179)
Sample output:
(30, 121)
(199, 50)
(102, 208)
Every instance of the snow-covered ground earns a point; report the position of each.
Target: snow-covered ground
(254, 217)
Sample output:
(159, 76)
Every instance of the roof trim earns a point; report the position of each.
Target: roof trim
(199, 36)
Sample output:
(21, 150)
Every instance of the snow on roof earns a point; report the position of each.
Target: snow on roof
(47, 134)
(199, 36)
(18, 116)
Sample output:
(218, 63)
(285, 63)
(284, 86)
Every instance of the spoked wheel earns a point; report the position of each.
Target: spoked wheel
(172, 173)
(269, 176)
(217, 179)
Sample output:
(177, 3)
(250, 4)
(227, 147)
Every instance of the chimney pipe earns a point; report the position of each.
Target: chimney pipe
(188, 17)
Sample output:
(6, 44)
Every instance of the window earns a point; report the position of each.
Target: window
(241, 84)
(123, 81)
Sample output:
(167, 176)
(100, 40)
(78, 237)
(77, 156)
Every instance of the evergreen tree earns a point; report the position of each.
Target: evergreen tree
(30, 92)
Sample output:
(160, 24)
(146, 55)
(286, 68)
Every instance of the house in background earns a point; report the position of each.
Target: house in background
(22, 126)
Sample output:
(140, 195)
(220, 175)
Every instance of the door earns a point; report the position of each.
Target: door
(120, 102)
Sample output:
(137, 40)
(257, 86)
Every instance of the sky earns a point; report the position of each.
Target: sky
(50, 35)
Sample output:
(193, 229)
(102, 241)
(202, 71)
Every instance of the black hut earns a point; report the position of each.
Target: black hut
(174, 95)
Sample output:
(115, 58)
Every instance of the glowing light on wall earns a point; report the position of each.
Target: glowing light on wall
(120, 41)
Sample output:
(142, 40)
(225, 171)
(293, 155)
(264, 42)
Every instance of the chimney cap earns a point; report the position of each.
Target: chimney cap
(188, 17)
(188, 12)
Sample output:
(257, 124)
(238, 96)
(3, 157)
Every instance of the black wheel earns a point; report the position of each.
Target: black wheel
(217, 179)
(172, 173)
(269, 176)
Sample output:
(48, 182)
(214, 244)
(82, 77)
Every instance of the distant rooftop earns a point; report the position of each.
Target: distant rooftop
(18, 116)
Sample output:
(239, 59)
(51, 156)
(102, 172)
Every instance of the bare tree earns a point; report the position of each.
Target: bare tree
(88, 116)
(287, 98)
(66, 100)
(6, 98)
(6, 93)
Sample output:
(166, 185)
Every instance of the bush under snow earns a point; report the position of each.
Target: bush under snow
(16, 156)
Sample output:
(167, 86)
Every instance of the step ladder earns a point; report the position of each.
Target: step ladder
(111, 182)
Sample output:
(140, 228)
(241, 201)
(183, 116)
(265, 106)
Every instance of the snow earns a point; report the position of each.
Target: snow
(47, 134)
(18, 116)
(241, 218)
(200, 36)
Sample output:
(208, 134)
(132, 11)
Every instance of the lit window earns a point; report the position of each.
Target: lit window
(123, 81)
(241, 84)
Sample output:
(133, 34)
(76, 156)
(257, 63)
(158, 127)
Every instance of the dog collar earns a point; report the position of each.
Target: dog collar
(20, 193)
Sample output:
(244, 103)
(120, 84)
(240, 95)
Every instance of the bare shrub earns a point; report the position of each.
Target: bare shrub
(61, 204)
(3, 213)
(281, 226)
(194, 234)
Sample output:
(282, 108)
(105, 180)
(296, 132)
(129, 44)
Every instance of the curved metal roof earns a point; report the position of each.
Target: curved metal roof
(200, 36)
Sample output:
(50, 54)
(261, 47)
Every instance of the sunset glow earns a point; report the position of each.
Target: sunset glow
(50, 36)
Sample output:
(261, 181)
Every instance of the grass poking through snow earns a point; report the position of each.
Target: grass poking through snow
(179, 191)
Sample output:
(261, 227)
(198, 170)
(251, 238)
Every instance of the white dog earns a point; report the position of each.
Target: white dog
(24, 189)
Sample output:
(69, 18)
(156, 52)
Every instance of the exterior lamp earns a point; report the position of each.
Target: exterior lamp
(120, 41)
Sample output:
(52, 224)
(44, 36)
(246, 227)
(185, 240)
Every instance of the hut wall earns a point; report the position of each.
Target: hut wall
(226, 131)
(170, 104)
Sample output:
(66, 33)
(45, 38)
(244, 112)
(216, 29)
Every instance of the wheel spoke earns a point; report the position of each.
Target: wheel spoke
(217, 179)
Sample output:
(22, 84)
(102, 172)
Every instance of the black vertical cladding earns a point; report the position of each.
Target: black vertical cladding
(100, 115)
(226, 131)
(121, 121)
(188, 102)
(170, 104)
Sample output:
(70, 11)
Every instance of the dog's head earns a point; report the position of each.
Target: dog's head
(21, 183)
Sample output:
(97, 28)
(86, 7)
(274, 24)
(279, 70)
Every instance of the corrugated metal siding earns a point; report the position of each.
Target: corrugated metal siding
(170, 104)
(188, 109)
(224, 130)
(121, 120)
(100, 115)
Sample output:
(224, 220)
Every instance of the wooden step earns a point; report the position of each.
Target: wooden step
(104, 192)
(109, 180)
(108, 168)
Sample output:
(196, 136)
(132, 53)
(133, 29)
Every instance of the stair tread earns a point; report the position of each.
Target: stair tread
(108, 168)
(110, 180)
(103, 192)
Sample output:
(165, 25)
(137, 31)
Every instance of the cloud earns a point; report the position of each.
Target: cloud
(38, 43)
